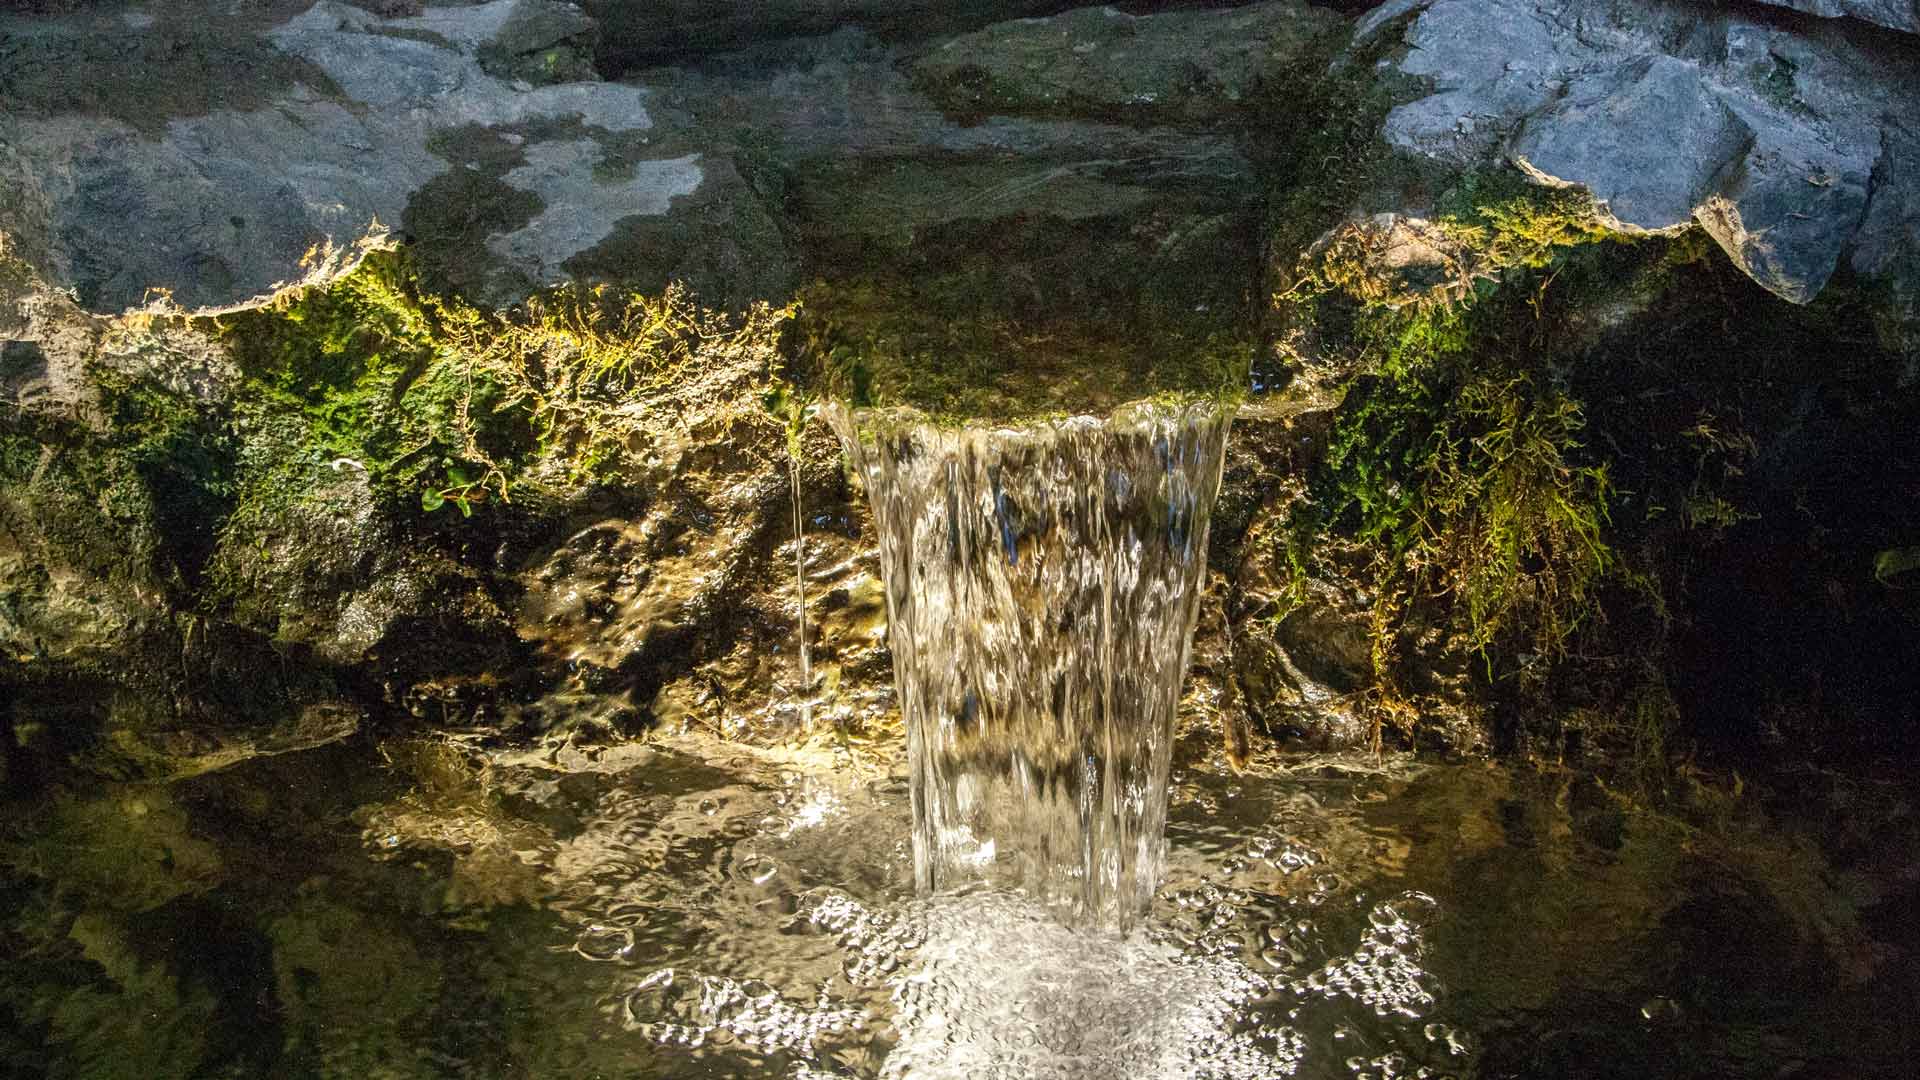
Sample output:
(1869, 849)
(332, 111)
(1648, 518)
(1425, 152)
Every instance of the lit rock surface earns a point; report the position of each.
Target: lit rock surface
(1014, 176)
(224, 205)
(1779, 141)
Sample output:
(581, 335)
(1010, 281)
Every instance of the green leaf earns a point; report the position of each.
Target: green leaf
(1894, 563)
(775, 401)
(432, 500)
(466, 507)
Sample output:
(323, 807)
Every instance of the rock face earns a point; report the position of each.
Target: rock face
(1781, 141)
(1188, 64)
(649, 31)
(477, 134)
(241, 155)
(375, 114)
(1892, 14)
(1045, 209)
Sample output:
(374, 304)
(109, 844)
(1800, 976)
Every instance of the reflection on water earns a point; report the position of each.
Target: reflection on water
(694, 909)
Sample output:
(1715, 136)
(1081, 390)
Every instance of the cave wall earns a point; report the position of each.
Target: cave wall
(276, 400)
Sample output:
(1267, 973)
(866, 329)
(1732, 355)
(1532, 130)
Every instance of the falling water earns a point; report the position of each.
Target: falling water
(800, 585)
(1042, 584)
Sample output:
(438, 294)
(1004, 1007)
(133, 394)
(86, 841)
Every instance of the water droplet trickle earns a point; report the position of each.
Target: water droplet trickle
(1660, 1010)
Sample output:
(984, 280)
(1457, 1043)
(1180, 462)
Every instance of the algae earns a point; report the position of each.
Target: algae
(1000, 322)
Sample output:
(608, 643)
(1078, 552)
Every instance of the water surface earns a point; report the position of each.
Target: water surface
(699, 909)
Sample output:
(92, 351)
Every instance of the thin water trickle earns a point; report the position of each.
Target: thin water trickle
(800, 587)
(1042, 585)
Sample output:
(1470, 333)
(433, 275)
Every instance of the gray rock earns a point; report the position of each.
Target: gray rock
(1651, 124)
(1892, 14)
(413, 123)
(1370, 24)
(219, 209)
(1889, 244)
(540, 24)
(1103, 63)
(1772, 139)
(871, 154)
(581, 208)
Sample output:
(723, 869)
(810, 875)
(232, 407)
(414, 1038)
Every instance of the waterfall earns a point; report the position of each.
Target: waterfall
(1042, 584)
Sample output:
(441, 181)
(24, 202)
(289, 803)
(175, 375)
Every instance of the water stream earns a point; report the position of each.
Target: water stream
(1054, 878)
(699, 909)
(1042, 585)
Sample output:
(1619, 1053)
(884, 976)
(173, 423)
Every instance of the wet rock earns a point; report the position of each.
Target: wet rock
(1104, 63)
(1892, 14)
(1768, 136)
(682, 613)
(646, 32)
(541, 42)
(327, 572)
(307, 168)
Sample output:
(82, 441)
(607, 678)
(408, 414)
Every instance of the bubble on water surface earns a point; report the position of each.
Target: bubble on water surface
(679, 1008)
(1384, 972)
(598, 942)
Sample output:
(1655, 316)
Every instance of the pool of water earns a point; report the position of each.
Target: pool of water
(690, 908)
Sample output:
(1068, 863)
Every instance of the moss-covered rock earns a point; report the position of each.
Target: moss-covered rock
(406, 493)
(1104, 63)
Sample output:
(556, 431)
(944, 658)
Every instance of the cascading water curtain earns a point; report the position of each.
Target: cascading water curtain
(1042, 585)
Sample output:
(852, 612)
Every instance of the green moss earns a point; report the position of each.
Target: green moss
(1509, 222)
(356, 376)
(19, 457)
(137, 493)
(1459, 462)
(1475, 489)
(1327, 157)
(442, 403)
(1009, 319)
(601, 376)
(887, 343)
(183, 454)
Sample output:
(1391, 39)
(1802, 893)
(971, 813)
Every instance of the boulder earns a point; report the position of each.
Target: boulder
(1778, 140)
(212, 200)
(1102, 62)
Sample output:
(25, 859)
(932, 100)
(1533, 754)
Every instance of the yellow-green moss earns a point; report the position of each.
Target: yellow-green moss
(1458, 461)
(441, 402)
(957, 357)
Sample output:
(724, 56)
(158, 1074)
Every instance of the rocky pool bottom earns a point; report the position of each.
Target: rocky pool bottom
(692, 908)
